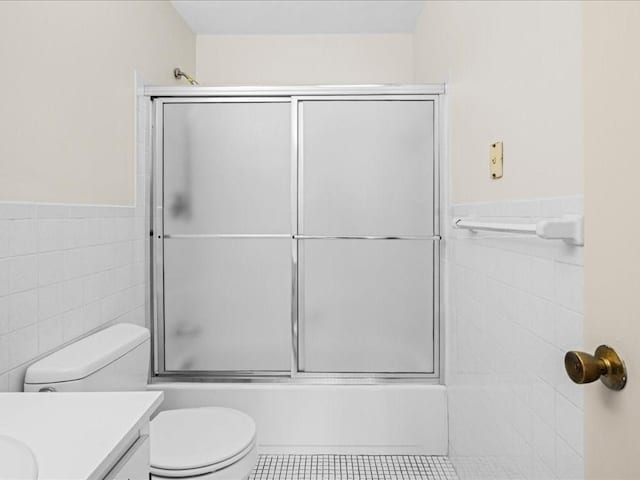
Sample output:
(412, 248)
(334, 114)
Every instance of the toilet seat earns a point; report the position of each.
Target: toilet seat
(196, 441)
(200, 472)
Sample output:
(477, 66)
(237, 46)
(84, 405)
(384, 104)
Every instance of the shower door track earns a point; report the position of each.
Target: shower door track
(161, 95)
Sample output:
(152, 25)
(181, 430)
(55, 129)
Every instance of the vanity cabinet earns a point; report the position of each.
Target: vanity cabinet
(83, 435)
(134, 464)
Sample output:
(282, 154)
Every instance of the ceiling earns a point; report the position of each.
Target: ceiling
(283, 17)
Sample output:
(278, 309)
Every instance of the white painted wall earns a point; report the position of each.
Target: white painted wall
(67, 123)
(513, 71)
(304, 59)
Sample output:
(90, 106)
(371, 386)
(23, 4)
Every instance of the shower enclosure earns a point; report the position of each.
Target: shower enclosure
(296, 233)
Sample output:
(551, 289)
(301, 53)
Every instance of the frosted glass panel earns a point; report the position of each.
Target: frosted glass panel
(227, 304)
(367, 168)
(366, 306)
(227, 168)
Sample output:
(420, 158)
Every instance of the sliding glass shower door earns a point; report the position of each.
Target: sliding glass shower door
(366, 223)
(296, 236)
(227, 236)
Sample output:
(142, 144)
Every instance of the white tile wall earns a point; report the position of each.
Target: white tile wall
(514, 307)
(67, 270)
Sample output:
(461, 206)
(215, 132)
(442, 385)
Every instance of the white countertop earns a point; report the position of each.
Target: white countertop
(76, 435)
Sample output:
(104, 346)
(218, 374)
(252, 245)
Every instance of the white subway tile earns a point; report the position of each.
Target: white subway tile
(110, 282)
(23, 273)
(123, 253)
(567, 388)
(123, 277)
(104, 257)
(4, 238)
(22, 237)
(552, 363)
(76, 233)
(521, 208)
(95, 231)
(75, 263)
(569, 286)
(139, 295)
(139, 250)
(568, 329)
(573, 205)
(4, 315)
(543, 319)
(94, 263)
(50, 334)
(4, 277)
(16, 211)
(570, 465)
(541, 272)
(49, 301)
(569, 423)
(4, 353)
(81, 211)
(46, 211)
(51, 235)
(139, 229)
(544, 443)
(72, 324)
(534, 469)
(92, 314)
(543, 402)
(551, 207)
(23, 309)
(94, 287)
(23, 345)
(523, 419)
(139, 317)
(71, 294)
(50, 268)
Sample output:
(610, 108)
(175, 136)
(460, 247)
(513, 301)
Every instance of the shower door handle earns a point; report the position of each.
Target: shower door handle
(605, 365)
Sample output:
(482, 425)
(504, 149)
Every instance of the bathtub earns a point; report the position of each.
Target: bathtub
(385, 419)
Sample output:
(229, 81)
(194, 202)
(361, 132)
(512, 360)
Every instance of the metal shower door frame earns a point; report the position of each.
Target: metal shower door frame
(293, 95)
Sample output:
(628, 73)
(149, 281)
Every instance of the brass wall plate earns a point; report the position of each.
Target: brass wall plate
(495, 160)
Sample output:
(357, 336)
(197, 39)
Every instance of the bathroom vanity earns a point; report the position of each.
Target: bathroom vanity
(83, 436)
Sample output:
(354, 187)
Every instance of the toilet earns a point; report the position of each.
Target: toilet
(208, 443)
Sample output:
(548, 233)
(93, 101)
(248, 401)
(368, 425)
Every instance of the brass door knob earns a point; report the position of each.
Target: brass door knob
(605, 365)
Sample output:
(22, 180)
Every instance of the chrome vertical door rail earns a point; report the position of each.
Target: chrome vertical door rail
(156, 240)
(294, 232)
(437, 232)
(299, 222)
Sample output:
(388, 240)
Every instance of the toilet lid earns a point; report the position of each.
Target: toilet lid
(193, 438)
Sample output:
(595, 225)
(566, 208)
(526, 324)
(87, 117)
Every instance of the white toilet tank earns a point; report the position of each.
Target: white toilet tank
(116, 358)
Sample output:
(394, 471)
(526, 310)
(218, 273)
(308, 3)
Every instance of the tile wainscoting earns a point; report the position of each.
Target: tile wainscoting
(68, 270)
(515, 305)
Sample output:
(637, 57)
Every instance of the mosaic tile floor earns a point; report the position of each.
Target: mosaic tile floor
(352, 467)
